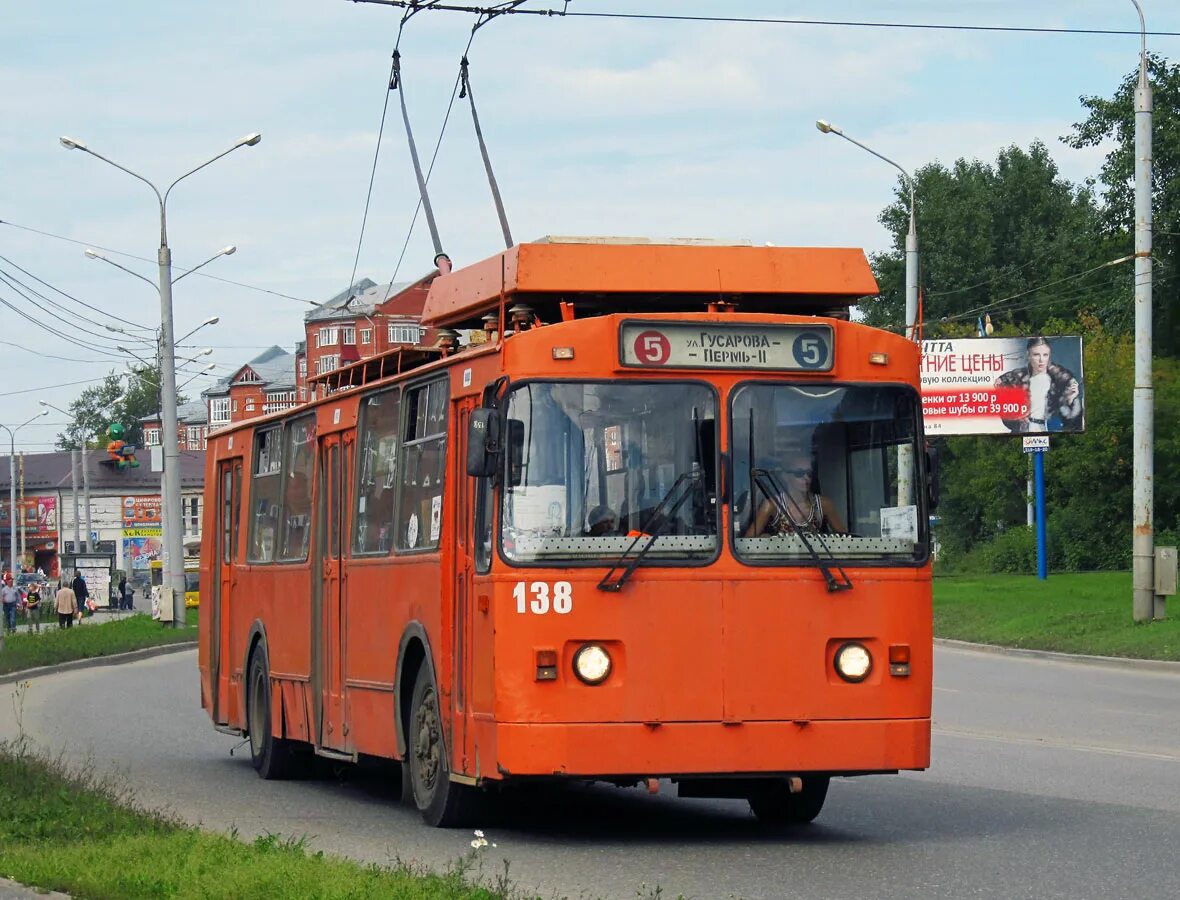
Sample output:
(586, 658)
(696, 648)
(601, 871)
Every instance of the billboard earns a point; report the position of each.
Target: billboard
(141, 511)
(38, 516)
(139, 552)
(1003, 385)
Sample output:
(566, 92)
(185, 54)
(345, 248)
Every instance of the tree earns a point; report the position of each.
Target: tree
(1114, 120)
(114, 400)
(1010, 239)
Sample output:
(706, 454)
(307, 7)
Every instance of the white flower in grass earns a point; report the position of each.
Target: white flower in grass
(480, 841)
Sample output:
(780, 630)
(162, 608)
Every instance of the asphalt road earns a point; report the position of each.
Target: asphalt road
(1049, 779)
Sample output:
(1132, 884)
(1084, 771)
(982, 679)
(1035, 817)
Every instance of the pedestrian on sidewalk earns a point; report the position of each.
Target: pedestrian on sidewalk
(81, 592)
(123, 604)
(33, 605)
(11, 597)
(67, 606)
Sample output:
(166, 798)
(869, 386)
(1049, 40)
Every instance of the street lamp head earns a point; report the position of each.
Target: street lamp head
(208, 351)
(210, 367)
(248, 141)
(230, 250)
(92, 254)
(827, 127)
(43, 403)
(212, 321)
(44, 412)
(70, 144)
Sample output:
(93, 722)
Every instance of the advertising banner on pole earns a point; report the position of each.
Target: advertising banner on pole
(141, 511)
(1003, 386)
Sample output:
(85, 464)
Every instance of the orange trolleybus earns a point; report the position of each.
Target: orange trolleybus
(668, 519)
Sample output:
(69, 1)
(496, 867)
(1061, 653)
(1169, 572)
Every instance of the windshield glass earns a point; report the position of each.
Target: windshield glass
(192, 581)
(589, 463)
(833, 465)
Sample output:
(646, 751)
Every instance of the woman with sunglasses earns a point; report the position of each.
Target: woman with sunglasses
(805, 510)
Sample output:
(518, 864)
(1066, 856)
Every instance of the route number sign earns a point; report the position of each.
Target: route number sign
(671, 345)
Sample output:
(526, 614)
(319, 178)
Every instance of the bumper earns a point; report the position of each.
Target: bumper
(700, 748)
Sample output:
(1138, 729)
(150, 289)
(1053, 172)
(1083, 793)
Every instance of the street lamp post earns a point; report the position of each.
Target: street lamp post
(12, 432)
(1145, 604)
(905, 461)
(911, 239)
(173, 546)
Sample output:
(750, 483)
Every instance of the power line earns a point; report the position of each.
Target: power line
(124, 253)
(762, 20)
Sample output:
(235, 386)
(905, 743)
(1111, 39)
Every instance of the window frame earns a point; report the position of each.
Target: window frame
(920, 479)
(358, 472)
(496, 501)
(444, 437)
(254, 476)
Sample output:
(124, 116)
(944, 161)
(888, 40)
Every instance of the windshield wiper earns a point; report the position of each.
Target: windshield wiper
(661, 520)
(764, 477)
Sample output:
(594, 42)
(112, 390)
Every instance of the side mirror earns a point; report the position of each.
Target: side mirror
(483, 443)
(515, 445)
(932, 465)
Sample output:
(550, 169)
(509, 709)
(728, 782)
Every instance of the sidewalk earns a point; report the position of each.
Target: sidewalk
(98, 617)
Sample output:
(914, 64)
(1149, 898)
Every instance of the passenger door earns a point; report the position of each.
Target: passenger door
(328, 590)
(229, 496)
(462, 534)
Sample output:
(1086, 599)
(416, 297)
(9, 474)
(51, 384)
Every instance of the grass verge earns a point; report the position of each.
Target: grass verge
(55, 645)
(1071, 613)
(70, 832)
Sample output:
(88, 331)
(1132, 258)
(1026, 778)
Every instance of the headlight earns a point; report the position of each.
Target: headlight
(853, 662)
(592, 663)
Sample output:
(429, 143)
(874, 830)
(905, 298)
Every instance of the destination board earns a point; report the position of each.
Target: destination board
(672, 345)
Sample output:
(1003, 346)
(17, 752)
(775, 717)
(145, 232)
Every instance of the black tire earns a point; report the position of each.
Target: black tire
(774, 803)
(270, 755)
(442, 802)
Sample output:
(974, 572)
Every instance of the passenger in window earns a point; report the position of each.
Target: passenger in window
(601, 521)
(800, 508)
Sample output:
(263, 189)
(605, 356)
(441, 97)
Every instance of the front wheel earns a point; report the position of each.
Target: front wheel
(442, 802)
(270, 755)
(774, 803)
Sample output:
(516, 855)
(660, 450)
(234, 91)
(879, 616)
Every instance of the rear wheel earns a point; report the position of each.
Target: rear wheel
(270, 755)
(442, 802)
(774, 803)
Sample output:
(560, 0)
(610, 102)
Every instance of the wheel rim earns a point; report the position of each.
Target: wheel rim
(427, 745)
(257, 712)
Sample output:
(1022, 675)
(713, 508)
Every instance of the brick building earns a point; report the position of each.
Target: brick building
(364, 321)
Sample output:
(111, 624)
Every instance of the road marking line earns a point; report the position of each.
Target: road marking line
(1054, 745)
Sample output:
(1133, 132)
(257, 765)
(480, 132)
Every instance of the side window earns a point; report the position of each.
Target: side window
(265, 494)
(377, 467)
(298, 469)
(424, 451)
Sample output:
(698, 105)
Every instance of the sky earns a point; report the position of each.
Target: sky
(595, 126)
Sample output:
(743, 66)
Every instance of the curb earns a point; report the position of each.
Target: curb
(93, 661)
(1109, 662)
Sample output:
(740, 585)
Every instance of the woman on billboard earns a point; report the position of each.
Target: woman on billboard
(1054, 396)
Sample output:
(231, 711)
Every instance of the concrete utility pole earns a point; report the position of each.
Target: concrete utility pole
(85, 456)
(173, 544)
(24, 524)
(905, 452)
(12, 510)
(74, 466)
(1145, 605)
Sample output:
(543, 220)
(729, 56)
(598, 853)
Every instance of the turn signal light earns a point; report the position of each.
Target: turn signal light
(546, 665)
(563, 352)
(879, 359)
(899, 659)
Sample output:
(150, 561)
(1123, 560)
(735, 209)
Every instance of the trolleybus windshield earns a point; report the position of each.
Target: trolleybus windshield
(589, 463)
(844, 461)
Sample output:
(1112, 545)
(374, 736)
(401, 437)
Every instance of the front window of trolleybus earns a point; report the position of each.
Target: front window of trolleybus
(829, 471)
(592, 465)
